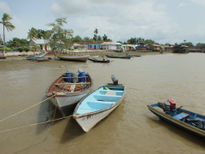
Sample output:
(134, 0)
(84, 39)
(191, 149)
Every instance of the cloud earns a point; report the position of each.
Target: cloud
(181, 4)
(119, 19)
(4, 7)
(200, 2)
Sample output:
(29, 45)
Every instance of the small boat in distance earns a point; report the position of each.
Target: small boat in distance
(73, 58)
(193, 122)
(69, 88)
(98, 105)
(38, 56)
(123, 57)
(98, 59)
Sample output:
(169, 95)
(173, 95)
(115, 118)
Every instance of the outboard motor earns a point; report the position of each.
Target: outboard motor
(167, 107)
(114, 80)
(172, 105)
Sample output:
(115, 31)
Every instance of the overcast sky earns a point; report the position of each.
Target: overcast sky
(161, 20)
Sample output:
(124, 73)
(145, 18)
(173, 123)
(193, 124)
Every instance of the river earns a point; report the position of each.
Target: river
(131, 128)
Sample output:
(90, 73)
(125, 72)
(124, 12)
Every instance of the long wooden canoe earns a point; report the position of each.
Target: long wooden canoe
(73, 58)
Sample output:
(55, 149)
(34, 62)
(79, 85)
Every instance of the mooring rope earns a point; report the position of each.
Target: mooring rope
(33, 124)
(26, 109)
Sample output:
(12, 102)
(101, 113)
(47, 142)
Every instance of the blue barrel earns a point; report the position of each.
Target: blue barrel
(82, 76)
(68, 76)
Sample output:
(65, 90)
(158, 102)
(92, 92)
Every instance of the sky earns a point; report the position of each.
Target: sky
(165, 21)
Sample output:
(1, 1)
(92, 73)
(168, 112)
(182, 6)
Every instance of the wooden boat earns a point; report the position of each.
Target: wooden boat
(2, 57)
(38, 56)
(98, 105)
(99, 60)
(42, 59)
(69, 88)
(180, 49)
(124, 57)
(193, 122)
(73, 58)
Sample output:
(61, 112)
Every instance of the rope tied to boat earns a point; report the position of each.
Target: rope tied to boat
(33, 124)
(26, 109)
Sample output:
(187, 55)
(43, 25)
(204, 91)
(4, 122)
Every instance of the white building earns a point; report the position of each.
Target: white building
(111, 46)
(44, 44)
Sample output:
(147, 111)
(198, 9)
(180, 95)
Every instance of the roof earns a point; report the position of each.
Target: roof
(111, 43)
(40, 41)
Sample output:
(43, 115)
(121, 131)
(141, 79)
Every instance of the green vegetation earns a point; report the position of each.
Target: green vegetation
(140, 40)
(60, 38)
(6, 25)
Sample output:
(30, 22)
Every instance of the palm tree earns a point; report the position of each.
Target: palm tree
(6, 24)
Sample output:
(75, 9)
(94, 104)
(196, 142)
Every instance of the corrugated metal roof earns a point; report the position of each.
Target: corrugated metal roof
(40, 41)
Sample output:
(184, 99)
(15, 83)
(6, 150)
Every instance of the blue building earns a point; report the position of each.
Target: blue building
(94, 46)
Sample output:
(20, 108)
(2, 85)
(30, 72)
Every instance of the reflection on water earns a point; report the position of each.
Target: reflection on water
(131, 128)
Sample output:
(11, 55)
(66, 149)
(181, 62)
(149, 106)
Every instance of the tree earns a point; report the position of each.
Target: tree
(39, 34)
(95, 37)
(32, 34)
(200, 45)
(60, 38)
(77, 39)
(6, 25)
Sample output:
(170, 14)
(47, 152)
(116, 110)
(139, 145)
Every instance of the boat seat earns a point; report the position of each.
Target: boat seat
(181, 116)
(72, 88)
(103, 102)
(110, 93)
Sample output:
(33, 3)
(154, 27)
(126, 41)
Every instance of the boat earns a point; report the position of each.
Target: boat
(98, 105)
(38, 56)
(42, 59)
(99, 60)
(2, 57)
(73, 58)
(68, 89)
(191, 121)
(180, 49)
(124, 57)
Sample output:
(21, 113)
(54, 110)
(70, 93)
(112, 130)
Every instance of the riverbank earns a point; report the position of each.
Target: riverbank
(22, 55)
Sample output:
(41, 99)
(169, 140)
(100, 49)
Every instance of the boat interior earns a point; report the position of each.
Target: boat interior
(60, 86)
(101, 99)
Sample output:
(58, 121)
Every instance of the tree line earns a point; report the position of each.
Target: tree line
(60, 38)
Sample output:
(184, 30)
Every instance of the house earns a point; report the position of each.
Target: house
(111, 46)
(80, 45)
(43, 44)
(154, 47)
(94, 46)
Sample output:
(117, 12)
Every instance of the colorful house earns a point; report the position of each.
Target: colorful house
(94, 46)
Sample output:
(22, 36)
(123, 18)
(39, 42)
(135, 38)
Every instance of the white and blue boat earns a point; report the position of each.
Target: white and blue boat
(193, 122)
(98, 105)
(38, 56)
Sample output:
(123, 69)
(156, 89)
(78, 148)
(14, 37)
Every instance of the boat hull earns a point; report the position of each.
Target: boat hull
(64, 97)
(177, 123)
(122, 57)
(74, 58)
(88, 120)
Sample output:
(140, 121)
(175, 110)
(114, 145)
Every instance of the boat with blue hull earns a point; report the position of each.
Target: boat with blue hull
(36, 57)
(98, 105)
(191, 121)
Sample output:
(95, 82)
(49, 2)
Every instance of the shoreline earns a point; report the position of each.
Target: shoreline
(23, 55)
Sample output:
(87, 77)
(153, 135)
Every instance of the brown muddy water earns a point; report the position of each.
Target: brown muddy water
(131, 128)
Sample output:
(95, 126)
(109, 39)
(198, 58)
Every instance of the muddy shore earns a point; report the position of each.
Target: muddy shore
(92, 53)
